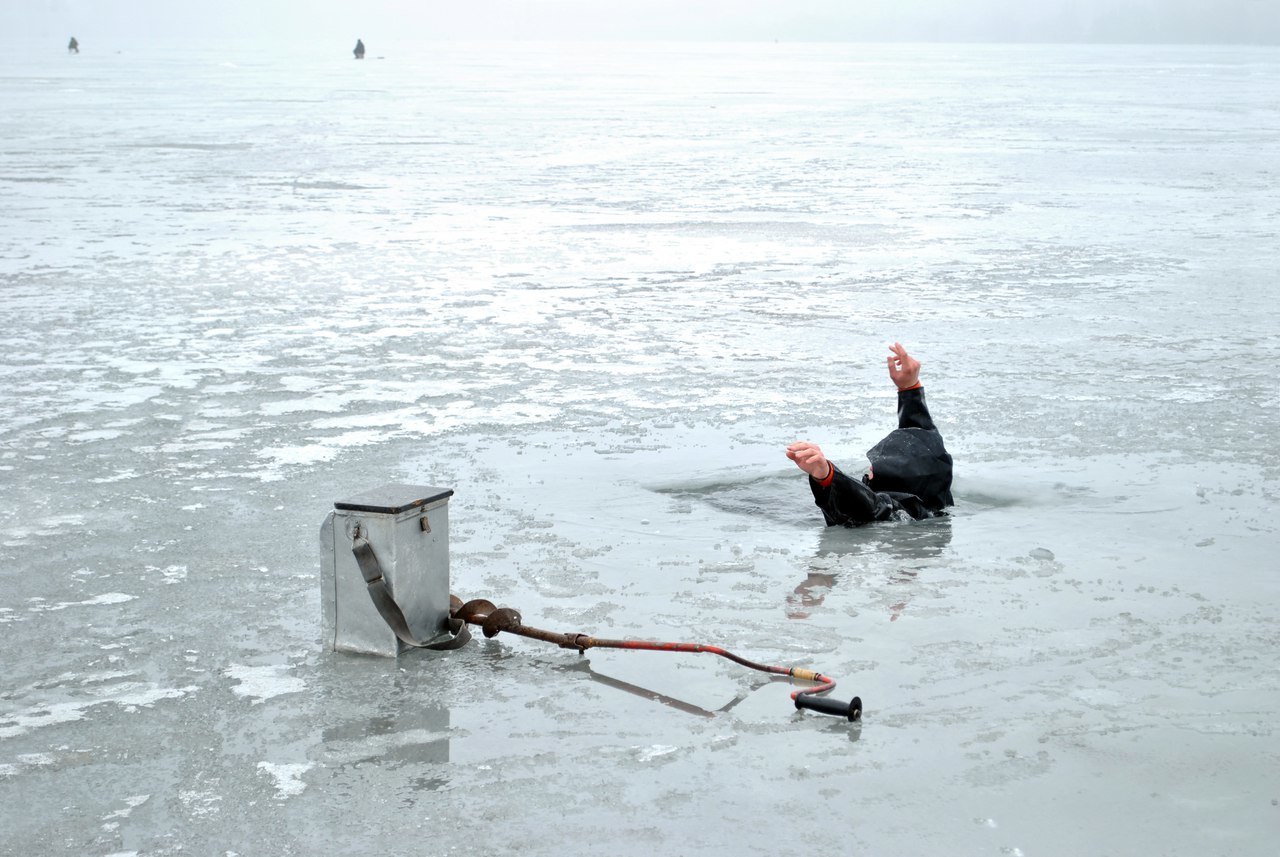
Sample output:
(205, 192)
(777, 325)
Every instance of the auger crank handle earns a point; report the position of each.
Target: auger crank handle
(826, 705)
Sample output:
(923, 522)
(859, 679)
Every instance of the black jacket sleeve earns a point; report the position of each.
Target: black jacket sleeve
(850, 502)
(912, 410)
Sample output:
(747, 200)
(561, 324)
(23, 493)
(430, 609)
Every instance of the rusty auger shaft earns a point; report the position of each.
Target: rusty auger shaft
(495, 620)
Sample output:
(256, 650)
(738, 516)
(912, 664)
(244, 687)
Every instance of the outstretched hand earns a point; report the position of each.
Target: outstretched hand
(904, 370)
(809, 458)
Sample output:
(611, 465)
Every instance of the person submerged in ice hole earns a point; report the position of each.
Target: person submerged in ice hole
(910, 472)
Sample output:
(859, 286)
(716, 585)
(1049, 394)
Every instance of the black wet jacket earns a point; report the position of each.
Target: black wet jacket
(911, 473)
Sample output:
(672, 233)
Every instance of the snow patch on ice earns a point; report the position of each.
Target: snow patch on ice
(129, 696)
(104, 598)
(131, 803)
(656, 751)
(288, 778)
(263, 682)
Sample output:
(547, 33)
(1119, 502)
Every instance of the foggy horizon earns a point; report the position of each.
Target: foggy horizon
(944, 21)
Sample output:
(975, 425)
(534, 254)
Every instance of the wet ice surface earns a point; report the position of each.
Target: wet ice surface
(596, 292)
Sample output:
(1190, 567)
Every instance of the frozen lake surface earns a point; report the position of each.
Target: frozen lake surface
(596, 290)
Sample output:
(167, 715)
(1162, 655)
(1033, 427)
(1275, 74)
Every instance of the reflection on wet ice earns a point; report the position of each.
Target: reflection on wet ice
(894, 552)
(416, 737)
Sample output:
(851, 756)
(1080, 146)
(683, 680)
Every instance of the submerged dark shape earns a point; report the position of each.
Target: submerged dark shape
(73, 47)
(359, 50)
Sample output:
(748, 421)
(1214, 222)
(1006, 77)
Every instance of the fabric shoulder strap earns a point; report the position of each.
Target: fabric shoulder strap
(391, 612)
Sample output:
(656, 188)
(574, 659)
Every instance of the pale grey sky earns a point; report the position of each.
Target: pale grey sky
(1194, 21)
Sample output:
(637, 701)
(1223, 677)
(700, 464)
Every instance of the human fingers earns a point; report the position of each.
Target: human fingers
(811, 462)
(806, 456)
(808, 459)
(818, 466)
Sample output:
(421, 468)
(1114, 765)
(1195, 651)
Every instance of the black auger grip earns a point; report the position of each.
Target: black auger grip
(828, 705)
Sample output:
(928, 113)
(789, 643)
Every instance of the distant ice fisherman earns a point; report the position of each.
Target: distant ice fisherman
(910, 471)
(359, 50)
(73, 47)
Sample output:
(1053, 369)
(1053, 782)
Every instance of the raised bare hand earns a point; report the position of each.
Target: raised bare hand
(904, 370)
(809, 458)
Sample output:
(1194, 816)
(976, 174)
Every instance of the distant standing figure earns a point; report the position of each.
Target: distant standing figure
(73, 47)
(359, 51)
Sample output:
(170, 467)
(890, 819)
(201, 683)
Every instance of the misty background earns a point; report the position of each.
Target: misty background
(1109, 21)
